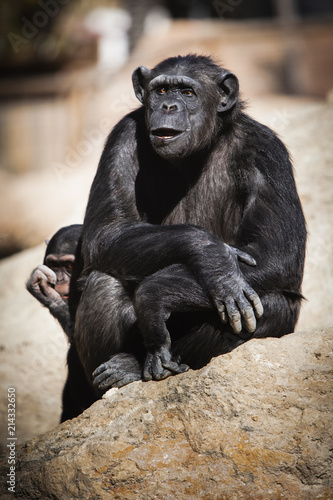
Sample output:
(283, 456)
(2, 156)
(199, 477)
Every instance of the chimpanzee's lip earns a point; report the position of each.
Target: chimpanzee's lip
(165, 134)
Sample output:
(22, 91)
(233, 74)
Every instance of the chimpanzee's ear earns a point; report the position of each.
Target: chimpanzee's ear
(139, 77)
(229, 90)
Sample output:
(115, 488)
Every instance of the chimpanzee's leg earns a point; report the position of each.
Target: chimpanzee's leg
(169, 291)
(106, 334)
(78, 394)
(177, 321)
(180, 324)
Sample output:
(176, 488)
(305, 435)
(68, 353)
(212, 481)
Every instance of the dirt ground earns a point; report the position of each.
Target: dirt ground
(33, 347)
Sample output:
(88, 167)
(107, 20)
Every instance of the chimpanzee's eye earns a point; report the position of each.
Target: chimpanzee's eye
(188, 92)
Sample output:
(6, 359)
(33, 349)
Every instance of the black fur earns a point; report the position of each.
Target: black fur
(192, 216)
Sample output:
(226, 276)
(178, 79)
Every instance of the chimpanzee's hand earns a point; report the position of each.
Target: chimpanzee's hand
(236, 301)
(233, 297)
(41, 285)
(159, 365)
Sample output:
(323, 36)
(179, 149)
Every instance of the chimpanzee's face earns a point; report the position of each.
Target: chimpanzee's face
(181, 110)
(183, 105)
(172, 114)
(62, 265)
(179, 117)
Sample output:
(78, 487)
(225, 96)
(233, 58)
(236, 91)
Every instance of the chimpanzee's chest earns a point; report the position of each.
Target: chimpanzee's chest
(214, 206)
(212, 201)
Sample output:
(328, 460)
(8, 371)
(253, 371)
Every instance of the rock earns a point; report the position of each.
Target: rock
(32, 351)
(253, 424)
(313, 160)
(313, 163)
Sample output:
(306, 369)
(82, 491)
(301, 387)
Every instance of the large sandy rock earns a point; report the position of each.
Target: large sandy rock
(32, 351)
(253, 424)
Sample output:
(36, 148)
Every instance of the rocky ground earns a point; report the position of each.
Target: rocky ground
(253, 424)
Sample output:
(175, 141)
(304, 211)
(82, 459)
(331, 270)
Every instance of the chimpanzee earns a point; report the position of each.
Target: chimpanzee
(49, 283)
(194, 237)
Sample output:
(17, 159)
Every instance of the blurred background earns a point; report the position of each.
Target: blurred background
(65, 69)
(65, 80)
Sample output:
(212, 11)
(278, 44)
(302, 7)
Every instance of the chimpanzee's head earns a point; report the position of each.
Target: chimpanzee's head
(185, 99)
(60, 256)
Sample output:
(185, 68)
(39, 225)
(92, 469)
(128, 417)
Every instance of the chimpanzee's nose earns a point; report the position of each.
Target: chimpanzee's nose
(169, 107)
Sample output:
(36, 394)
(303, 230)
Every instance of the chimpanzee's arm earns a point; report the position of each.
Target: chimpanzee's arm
(115, 238)
(273, 228)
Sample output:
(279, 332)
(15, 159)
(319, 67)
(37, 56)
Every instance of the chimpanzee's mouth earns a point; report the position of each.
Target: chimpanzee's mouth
(166, 133)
